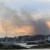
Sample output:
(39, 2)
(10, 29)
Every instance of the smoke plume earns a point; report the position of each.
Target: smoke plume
(12, 19)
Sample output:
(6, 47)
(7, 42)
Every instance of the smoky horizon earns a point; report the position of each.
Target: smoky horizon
(20, 21)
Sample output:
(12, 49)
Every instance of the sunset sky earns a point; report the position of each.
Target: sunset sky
(24, 17)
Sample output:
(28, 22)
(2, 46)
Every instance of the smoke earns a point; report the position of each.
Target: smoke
(41, 27)
(23, 17)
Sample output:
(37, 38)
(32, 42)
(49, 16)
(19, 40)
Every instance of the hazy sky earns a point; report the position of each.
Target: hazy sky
(39, 9)
(40, 5)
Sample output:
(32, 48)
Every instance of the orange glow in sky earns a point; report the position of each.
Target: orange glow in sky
(48, 23)
(16, 30)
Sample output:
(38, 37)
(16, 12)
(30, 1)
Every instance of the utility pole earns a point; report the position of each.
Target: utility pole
(5, 29)
(6, 34)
